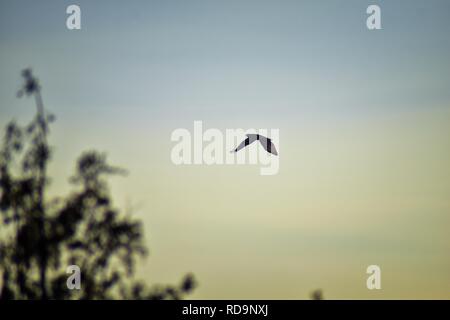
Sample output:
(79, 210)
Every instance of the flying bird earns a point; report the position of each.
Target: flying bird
(265, 142)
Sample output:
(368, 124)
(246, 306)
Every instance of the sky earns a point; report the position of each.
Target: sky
(364, 120)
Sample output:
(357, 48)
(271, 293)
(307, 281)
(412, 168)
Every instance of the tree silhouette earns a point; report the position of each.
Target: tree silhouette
(317, 295)
(39, 238)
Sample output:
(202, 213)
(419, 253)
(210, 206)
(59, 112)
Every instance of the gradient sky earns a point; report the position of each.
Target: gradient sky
(364, 119)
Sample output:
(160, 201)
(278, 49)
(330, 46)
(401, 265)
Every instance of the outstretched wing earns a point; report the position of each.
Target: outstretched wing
(268, 145)
(244, 143)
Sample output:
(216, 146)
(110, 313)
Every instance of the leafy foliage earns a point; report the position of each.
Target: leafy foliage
(40, 238)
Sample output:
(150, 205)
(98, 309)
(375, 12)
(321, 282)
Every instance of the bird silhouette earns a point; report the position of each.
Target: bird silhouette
(265, 142)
